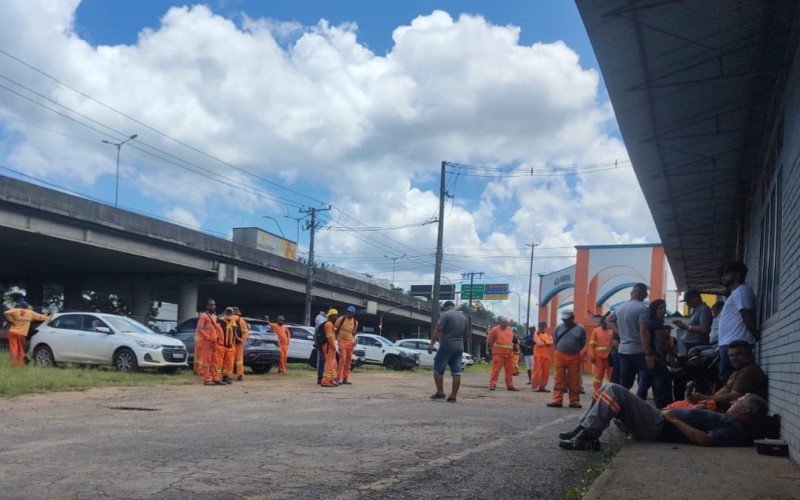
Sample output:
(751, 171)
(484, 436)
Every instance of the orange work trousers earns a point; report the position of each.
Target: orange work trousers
(541, 372)
(224, 362)
(238, 360)
(16, 348)
(515, 363)
(568, 377)
(600, 370)
(345, 359)
(329, 372)
(505, 360)
(206, 352)
(283, 358)
(197, 368)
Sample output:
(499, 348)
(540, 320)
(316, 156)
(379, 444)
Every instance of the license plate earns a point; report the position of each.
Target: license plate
(177, 355)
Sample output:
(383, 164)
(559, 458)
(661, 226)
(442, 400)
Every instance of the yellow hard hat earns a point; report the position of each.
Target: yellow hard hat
(332, 311)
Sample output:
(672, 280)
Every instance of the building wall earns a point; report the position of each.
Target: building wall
(779, 349)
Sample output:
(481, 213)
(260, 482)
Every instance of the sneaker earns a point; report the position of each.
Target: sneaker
(451, 399)
(438, 395)
(571, 434)
(583, 441)
(554, 405)
(575, 405)
(346, 382)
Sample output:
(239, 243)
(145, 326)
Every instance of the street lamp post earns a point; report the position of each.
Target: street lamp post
(118, 145)
(380, 321)
(276, 223)
(394, 263)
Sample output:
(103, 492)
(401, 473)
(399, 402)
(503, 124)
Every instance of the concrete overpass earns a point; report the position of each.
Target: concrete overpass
(53, 238)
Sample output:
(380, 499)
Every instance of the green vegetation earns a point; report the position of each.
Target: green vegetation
(15, 380)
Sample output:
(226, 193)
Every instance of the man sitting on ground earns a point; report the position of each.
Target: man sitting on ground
(747, 377)
(646, 423)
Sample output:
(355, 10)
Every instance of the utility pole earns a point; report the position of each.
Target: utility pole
(394, 263)
(437, 271)
(118, 145)
(530, 284)
(471, 275)
(312, 226)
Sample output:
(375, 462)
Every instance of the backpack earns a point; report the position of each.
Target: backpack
(320, 339)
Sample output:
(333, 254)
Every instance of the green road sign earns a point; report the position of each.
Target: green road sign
(477, 292)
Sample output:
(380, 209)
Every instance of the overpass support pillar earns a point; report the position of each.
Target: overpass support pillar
(187, 301)
(73, 298)
(34, 293)
(142, 300)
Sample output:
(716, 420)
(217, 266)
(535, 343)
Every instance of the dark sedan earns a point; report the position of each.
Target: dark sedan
(261, 351)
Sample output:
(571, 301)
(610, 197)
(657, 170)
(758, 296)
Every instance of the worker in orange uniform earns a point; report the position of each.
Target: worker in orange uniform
(346, 328)
(284, 337)
(570, 339)
(226, 350)
(205, 336)
(515, 353)
(600, 345)
(501, 343)
(542, 358)
(329, 350)
(20, 320)
(239, 342)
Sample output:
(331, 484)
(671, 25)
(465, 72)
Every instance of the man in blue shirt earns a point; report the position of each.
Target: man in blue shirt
(646, 423)
(527, 352)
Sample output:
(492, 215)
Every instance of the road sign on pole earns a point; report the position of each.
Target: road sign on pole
(471, 292)
(446, 292)
(496, 291)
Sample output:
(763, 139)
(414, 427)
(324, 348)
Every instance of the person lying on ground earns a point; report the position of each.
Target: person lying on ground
(644, 422)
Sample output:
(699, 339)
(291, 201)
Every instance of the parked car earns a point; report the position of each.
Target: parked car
(261, 351)
(426, 360)
(105, 339)
(358, 358)
(302, 345)
(381, 351)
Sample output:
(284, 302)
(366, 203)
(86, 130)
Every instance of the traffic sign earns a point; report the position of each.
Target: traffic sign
(446, 292)
(496, 291)
(473, 293)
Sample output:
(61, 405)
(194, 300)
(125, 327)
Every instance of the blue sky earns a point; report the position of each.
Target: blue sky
(303, 112)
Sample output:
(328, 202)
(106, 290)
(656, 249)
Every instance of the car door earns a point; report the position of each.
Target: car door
(64, 331)
(302, 343)
(185, 332)
(425, 359)
(93, 345)
(373, 349)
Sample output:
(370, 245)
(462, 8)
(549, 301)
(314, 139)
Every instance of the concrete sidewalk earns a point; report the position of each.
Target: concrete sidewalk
(677, 471)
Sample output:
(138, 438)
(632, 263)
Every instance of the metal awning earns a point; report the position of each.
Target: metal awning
(693, 85)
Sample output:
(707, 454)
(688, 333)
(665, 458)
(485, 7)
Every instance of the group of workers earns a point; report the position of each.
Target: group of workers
(220, 340)
(335, 339)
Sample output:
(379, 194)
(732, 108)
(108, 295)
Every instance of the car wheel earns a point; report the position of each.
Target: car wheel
(392, 362)
(261, 369)
(125, 361)
(43, 356)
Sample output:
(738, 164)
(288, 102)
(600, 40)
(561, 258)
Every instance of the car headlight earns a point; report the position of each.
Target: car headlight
(147, 344)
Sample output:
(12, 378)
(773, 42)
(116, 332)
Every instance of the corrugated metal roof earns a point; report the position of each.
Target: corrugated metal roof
(692, 83)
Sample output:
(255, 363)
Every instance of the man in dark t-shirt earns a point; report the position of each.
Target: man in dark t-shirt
(646, 423)
(451, 332)
(747, 377)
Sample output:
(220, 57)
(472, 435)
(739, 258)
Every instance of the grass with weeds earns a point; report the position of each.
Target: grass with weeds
(31, 379)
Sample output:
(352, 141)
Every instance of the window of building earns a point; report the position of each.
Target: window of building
(771, 229)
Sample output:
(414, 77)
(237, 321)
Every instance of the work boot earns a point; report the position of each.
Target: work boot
(585, 440)
(512, 389)
(240, 378)
(571, 434)
(219, 382)
(554, 405)
(347, 382)
(209, 383)
(542, 389)
(575, 405)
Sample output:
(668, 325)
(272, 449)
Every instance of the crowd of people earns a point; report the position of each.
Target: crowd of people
(713, 348)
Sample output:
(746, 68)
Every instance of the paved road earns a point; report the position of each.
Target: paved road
(288, 438)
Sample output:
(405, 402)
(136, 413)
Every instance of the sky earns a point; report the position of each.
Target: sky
(247, 109)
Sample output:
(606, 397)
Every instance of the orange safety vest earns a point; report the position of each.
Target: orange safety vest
(600, 343)
(501, 339)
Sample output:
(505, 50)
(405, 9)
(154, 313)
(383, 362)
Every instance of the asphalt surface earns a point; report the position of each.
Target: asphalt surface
(271, 437)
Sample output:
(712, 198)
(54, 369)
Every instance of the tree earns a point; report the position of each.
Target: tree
(478, 310)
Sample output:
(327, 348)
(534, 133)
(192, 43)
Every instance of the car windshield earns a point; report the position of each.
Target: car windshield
(383, 340)
(259, 327)
(126, 325)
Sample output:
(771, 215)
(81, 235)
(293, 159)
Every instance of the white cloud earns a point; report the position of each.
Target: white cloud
(313, 107)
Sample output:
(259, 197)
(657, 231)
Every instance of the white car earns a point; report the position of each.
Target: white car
(426, 360)
(381, 351)
(302, 343)
(105, 339)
